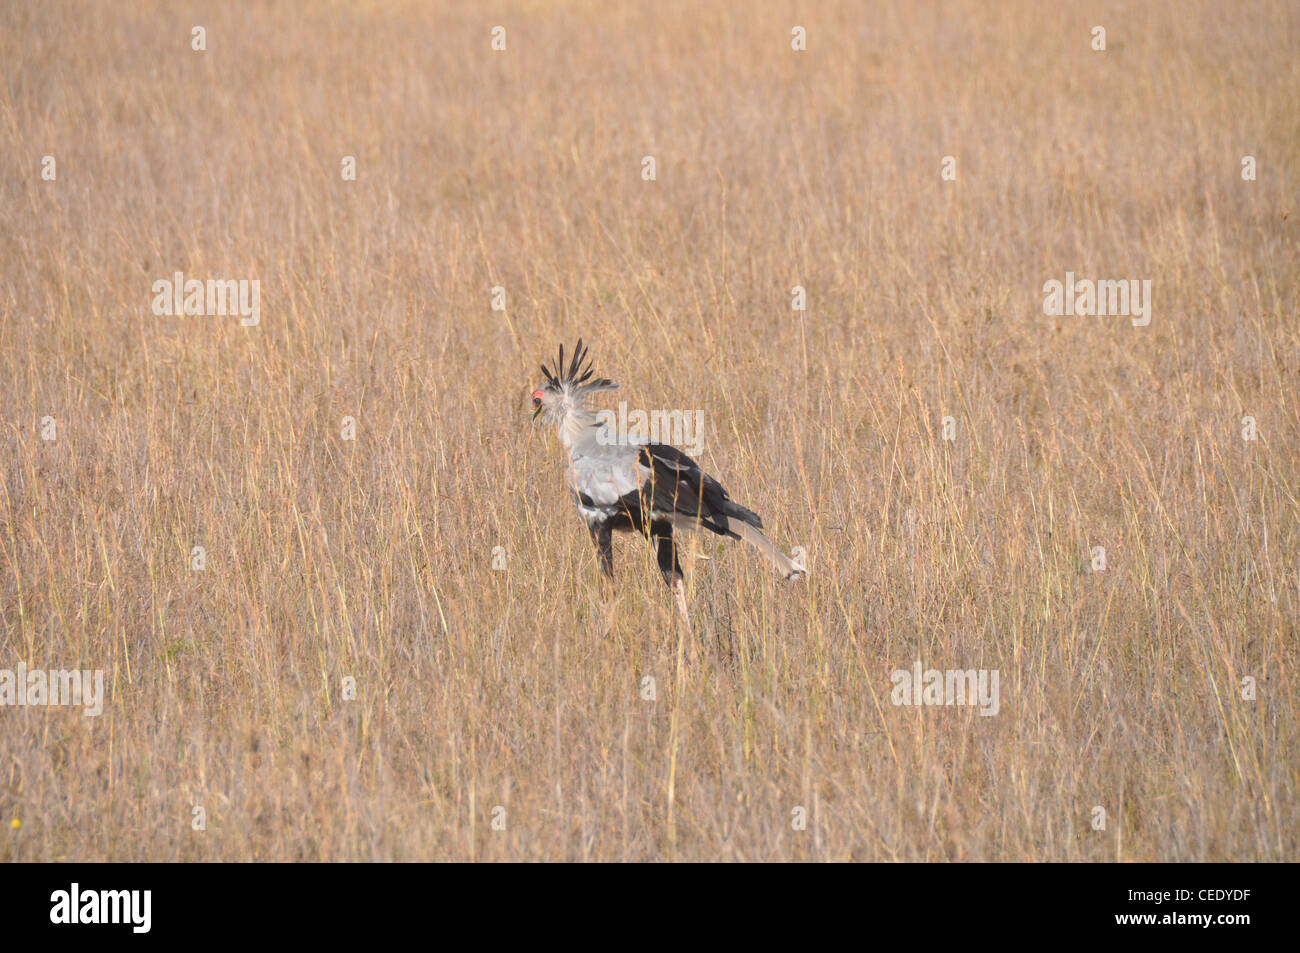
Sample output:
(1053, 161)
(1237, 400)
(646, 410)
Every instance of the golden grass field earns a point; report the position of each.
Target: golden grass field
(371, 558)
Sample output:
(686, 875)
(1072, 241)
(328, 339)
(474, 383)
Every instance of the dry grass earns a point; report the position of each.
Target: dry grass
(372, 558)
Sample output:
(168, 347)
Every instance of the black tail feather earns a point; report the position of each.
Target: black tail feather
(737, 512)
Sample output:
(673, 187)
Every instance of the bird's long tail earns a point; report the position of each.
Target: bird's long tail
(786, 566)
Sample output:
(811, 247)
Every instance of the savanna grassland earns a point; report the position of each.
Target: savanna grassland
(332, 562)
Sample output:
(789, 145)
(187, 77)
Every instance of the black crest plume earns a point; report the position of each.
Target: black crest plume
(575, 375)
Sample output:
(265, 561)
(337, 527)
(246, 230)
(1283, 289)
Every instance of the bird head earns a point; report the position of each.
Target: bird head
(564, 395)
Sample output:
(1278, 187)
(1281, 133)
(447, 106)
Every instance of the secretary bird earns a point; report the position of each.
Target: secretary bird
(625, 483)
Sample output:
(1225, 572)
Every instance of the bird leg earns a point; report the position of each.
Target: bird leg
(602, 536)
(666, 553)
(678, 586)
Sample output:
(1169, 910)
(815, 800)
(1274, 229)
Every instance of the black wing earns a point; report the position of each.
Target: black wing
(679, 487)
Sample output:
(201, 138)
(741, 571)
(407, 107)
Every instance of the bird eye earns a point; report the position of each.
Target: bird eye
(537, 402)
